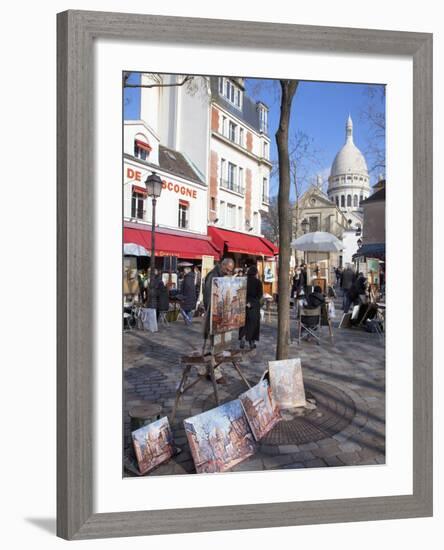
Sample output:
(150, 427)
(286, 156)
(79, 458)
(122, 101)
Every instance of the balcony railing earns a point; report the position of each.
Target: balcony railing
(231, 186)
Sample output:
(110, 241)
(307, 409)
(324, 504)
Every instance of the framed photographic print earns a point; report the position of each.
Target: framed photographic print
(170, 175)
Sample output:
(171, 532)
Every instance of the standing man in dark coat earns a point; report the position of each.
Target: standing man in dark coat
(189, 294)
(250, 331)
(347, 280)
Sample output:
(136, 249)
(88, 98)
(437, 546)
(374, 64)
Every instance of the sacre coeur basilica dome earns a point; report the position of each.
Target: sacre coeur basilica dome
(349, 182)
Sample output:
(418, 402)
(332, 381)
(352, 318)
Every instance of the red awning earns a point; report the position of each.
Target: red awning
(143, 145)
(140, 190)
(172, 244)
(240, 242)
(273, 247)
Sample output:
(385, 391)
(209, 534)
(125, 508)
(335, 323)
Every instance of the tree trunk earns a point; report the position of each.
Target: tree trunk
(288, 89)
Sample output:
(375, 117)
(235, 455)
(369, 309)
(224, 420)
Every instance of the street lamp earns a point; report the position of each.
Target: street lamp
(304, 225)
(153, 189)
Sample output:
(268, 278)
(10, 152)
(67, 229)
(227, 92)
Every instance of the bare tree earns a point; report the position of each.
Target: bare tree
(304, 159)
(193, 84)
(270, 221)
(126, 75)
(288, 90)
(374, 115)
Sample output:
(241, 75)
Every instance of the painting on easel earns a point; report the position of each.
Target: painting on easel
(228, 303)
(220, 438)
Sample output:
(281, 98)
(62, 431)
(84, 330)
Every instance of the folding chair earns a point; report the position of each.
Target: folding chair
(163, 318)
(309, 320)
(126, 321)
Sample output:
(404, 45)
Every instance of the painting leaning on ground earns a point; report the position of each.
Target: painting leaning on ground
(253, 289)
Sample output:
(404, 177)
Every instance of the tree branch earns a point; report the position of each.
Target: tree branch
(184, 81)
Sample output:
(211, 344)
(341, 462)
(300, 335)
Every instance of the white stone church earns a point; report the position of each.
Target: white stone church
(339, 210)
(349, 182)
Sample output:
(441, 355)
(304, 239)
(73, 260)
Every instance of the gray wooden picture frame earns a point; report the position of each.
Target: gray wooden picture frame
(76, 32)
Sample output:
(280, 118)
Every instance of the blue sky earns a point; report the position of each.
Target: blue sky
(319, 109)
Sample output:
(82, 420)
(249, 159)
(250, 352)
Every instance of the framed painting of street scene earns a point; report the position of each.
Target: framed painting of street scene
(202, 236)
(254, 219)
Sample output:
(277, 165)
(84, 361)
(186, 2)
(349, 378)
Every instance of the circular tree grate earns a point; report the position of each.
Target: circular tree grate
(334, 412)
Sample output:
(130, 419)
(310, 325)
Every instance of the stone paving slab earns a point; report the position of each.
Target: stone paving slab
(355, 364)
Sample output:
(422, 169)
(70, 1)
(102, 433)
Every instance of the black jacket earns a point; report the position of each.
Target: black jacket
(158, 295)
(189, 291)
(347, 278)
(254, 291)
(315, 299)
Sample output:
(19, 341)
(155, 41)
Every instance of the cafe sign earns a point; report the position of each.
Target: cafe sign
(178, 188)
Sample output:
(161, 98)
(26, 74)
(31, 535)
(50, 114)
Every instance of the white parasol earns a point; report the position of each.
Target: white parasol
(318, 241)
(132, 249)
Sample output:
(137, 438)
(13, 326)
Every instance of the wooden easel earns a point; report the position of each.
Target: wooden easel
(210, 360)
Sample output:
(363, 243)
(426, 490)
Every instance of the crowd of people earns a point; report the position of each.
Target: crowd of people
(353, 285)
(158, 296)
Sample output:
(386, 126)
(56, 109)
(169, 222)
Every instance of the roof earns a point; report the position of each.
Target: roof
(248, 114)
(349, 159)
(378, 196)
(320, 195)
(374, 250)
(241, 242)
(379, 184)
(175, 162)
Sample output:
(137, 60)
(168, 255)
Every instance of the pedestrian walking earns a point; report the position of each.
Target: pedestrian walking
(347, 280)
(251, 330)
(188, 295)
(338, 273)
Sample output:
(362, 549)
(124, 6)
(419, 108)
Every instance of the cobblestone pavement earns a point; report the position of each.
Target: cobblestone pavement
(345, 379)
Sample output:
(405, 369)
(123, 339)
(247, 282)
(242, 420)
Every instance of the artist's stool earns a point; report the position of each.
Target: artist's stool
(210, 361)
